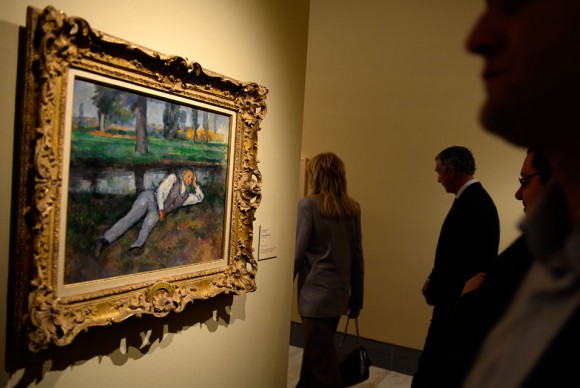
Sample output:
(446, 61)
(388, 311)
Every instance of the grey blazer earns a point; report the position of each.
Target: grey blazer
(328, 262)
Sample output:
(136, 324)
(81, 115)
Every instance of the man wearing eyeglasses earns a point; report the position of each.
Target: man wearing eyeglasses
(486, 295)
(534, 175)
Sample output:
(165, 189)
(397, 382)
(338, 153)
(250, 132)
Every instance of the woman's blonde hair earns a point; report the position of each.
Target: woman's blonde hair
(327, 178)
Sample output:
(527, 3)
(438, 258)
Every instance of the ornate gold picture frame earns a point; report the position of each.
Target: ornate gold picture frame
(137, 182)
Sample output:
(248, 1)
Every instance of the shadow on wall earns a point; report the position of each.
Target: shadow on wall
(114, 342)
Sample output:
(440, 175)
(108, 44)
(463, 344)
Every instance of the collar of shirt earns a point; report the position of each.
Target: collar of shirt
(462, 188)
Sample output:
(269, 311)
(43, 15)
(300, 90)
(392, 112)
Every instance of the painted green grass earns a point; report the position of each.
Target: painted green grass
(190, 235)
(121, 151)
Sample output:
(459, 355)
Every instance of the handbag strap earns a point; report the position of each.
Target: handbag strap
(346, 331)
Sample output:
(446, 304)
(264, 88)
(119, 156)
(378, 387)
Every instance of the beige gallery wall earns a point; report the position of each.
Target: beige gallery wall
(229, 341)
(389, 85)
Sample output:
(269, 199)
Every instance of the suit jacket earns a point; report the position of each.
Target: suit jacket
(551, 237)
(557, 366)
(328, 262)
(468, 244)
(478, 311)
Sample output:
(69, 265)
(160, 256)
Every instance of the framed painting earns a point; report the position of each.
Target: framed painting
(137, 182)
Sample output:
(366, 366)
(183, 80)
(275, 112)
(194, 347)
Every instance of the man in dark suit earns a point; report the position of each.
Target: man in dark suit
(531, 51)
(468, 244)
(486, 295)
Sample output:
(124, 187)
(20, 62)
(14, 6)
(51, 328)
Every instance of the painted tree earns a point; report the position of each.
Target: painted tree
(170, 120)
(81, 116)
(121, 107)
(140, 109)
(205, 124)
(194, 115)
(110, 106)
(213, 127)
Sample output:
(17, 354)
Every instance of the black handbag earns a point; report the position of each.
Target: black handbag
(354, 366)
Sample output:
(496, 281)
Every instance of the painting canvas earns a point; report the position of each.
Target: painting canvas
(114, 165)
(137, 185)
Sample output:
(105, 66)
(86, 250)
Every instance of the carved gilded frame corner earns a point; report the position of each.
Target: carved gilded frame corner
(61, 50)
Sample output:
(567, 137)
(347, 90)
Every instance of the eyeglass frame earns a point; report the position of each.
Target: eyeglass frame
(525, 180)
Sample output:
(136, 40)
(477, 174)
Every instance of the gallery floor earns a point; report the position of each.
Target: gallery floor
(379, 378)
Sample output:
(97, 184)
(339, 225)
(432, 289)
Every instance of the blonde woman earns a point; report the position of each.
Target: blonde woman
(329, 265)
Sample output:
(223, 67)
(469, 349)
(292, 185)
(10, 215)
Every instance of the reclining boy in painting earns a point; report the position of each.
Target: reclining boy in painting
(172, 193)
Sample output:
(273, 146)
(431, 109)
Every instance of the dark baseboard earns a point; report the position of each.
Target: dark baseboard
(386, 356)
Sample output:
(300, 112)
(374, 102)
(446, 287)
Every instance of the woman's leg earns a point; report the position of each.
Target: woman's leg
(319, 360)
